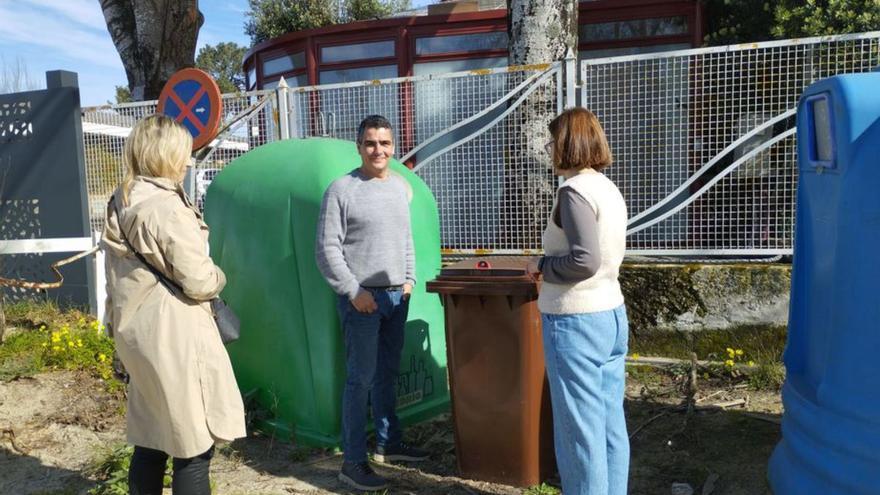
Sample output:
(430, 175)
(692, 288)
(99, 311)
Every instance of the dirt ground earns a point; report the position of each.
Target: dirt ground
(54, 424)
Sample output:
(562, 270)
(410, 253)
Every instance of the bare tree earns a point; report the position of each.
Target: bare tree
(154, 38)
(15, 77)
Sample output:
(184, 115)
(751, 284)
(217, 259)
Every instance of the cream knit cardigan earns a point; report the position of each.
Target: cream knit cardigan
(600, 292)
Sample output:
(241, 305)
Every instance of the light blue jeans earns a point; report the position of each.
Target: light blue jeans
(373, 344)
(584, 355)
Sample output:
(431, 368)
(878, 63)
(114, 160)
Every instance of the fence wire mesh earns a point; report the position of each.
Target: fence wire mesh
(106, 127)
(476, 138)
(704, 149)
(680, 121)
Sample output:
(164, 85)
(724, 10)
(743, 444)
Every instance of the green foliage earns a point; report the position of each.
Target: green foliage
(738, 21)
(123, 95)
(824, 17)
(267, 19)
(110, 466)
(359, 10)
(542, 489)
(767, 376)
(742, 21)
(53, 340)
(104, 166)
(223, 62)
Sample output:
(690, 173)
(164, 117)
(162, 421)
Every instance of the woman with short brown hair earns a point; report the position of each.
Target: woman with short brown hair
(584, 319)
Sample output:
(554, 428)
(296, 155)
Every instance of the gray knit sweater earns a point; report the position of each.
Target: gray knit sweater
(364, 235)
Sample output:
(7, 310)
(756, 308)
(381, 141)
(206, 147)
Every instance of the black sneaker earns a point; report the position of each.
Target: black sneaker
(400, 452)
(360, 476)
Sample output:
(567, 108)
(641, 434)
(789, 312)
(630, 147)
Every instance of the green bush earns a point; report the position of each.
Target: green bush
(56, 341)
(111, 467)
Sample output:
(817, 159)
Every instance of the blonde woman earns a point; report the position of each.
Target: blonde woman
(182, 395)
(584, 320)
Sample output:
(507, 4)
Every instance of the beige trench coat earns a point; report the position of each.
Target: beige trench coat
(182, 397)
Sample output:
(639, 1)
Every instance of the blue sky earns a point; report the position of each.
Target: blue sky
(71, 35)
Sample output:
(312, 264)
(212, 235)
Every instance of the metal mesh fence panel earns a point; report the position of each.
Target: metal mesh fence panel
(703, 139)
(476, 138)
(106, 127)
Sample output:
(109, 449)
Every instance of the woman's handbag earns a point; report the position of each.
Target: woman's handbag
(227, 322)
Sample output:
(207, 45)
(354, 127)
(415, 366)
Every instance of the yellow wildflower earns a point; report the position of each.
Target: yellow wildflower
(45, 344)
(751, 363)
(102, 357)
(731, 352)
(56, 348)
(729, 363)
(739, 352)
(635, 355)
(79, 342)
(70, 343)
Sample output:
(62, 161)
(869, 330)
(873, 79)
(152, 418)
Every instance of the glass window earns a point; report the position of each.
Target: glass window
(292, 81)
(251, 78)
(635, 28)
(358, 74)
(462, 43)
(424, 69)
(284, 63)
(359, 51)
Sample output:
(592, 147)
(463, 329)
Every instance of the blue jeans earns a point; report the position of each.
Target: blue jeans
(373, 344)
(584, 355)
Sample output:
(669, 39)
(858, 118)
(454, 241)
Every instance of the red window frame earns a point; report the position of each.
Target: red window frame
(286, 50)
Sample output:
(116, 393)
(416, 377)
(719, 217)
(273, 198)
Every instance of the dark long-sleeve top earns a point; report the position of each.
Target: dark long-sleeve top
(574, 215)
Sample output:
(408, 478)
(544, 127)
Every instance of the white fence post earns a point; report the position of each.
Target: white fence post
(283, 109)
(570, 79)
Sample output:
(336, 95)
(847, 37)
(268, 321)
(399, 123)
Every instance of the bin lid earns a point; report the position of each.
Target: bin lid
(489, 275)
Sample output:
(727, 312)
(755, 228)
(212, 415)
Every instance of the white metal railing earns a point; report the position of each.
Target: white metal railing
(106, 127)
(704, 139)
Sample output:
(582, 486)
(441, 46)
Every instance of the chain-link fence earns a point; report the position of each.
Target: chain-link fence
(704, 139)
(106, 127)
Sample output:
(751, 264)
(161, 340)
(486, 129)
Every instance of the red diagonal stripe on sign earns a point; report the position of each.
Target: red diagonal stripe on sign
(186, 108)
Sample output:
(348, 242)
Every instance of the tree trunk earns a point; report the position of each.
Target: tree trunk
(539, 31)
(154, 38)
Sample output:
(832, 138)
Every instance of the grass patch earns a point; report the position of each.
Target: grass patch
(767, 376)
(542, 489)
(760, 344)
(110, 466)
(50, 339)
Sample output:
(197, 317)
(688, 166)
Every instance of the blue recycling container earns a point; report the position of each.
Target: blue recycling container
(831, 426)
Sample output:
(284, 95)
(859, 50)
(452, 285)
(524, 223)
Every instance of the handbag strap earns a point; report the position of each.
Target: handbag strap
(164, 280)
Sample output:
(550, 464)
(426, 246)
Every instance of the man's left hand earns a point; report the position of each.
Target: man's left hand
(407, 291)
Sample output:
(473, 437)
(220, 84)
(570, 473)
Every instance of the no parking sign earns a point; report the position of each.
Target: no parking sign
(192, 98)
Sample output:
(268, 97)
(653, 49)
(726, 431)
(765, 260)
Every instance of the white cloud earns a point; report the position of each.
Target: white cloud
(85, 12)
(46, 29)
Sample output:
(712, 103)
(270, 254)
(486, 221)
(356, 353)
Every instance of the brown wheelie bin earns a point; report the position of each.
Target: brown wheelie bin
(500, 396)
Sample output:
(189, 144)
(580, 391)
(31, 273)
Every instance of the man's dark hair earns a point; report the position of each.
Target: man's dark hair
(372, 122)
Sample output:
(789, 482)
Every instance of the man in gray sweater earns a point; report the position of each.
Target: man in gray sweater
(364, 249)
